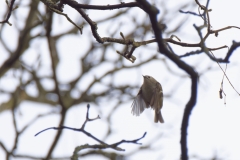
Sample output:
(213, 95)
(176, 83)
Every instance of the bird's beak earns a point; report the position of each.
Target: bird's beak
(143, 76)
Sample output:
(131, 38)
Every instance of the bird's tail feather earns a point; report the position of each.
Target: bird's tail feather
(158, 117)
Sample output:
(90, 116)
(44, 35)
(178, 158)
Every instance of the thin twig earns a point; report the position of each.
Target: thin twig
(103, 144)
(226, 75)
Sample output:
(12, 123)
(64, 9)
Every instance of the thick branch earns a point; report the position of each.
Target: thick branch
(77, 5)
(152, 12)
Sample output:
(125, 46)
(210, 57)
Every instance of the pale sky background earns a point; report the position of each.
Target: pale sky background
(213, 129)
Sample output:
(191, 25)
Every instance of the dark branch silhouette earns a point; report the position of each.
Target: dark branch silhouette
(102, 145)
(10, 9)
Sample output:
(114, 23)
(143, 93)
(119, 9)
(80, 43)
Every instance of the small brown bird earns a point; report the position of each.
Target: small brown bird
(150, 94)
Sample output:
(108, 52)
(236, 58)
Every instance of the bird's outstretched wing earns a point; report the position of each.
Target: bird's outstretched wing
(138, 104)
